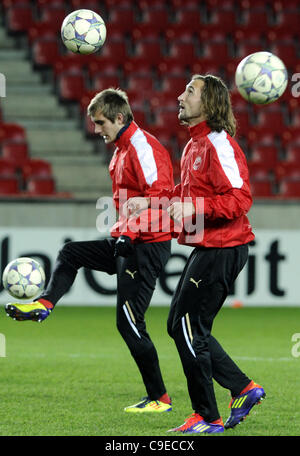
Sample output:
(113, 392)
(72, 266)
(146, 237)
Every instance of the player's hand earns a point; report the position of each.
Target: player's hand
(134, 205)
(178, 211)
(123, 247)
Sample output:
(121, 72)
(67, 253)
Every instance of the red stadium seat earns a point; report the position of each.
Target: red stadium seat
(189, 18)
(246, 5)
(85, 100)
(265, 131)
(45, 52)
(71, 85)
(123, 18)
(168, 142)
(40, 30)
(172, 67)
(137, 66)
(115, 51)
(118, 4)
(138, 100)
(266, 156)
(7, 168)
(167, 118)
(142, 83)
(159, 131)
(53, 15)
(237, 101)
(293, 154)
(287, 169)
(41, 186)
(225, 19)
(12, 131)
(176, 171)
(256, 138)
(166, 99)
(144, 31)
(102, 81)
(175, 84)
(256, 19)
(289, 166)
(149, 49)
(291, 104)
(9, 185)
(258, 171)
(182, 137)
(247, 47)
(295, 117)
(249, 36)
(99, 65)
(45, 3)
(280, 36)
(16, 152)
(288, 20)
(69, 63)
(289, 188)
(19, 18)
(215, 4)
(243, 120)
(290, 137)
(287, 52)
(88, 4)
(229, 72)
(178, 4)
(89, 127)
(36, 168)
(206, 66)
(113, 32)
(182, 52)
(145, 4)
(9, 3)
(281, 5)
(140, 116)
(261, 188)
(215, 50)
(267, 116)
(178, 32)
(156, 17)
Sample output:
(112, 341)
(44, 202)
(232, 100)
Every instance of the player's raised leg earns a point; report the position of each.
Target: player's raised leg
(96, 255)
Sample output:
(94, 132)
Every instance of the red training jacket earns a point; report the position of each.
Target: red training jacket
(214, 174)
(141, 166)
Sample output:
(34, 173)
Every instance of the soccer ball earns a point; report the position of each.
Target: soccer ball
(261, 78)
(83, 31)
(23, 278)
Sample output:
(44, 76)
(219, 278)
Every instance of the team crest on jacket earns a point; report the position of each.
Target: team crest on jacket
(197, 163)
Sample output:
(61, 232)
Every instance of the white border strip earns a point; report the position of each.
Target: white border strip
(187, 337)
(130, 322)
(145, 155)
(226, 157)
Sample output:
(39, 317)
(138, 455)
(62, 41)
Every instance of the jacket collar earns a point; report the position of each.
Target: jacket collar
(199, 130)
(124, 135)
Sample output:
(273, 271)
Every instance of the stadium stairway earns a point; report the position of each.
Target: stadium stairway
(52, 135)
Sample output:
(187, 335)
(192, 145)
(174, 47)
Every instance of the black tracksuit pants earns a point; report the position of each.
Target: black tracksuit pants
(136, 279)
(201, 291)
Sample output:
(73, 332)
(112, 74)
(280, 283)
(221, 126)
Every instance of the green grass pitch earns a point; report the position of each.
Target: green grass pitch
(72, 375)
